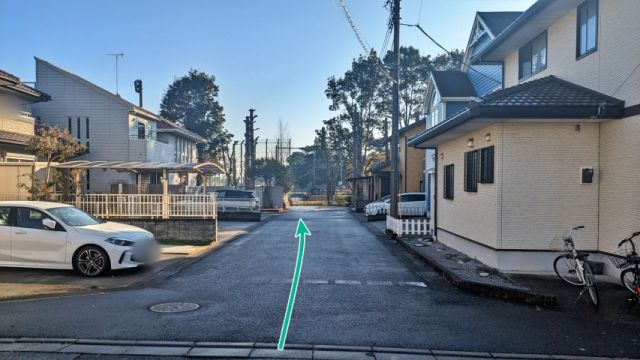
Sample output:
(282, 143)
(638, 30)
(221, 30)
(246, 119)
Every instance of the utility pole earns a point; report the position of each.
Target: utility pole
(357, 143)
(386, 139)
(242, 161)
(118, 55)
(396, 109)
(250, 150)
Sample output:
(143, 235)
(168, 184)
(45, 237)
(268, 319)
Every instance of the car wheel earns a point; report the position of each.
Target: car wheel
(91, 261)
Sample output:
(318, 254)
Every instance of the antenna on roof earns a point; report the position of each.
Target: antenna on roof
(116, 56)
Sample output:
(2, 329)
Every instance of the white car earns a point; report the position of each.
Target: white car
(376, 207)
(410, 204)
(51, 235)
(236, 201)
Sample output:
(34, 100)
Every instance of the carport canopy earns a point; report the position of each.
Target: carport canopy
(208, 168)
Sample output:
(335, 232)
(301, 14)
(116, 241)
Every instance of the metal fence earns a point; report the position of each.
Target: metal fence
(143, 206)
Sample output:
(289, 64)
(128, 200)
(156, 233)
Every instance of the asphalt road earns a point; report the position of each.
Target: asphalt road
(356, 289)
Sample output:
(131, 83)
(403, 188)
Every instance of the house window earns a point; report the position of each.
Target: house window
(78, 128)
(69, 119)
(587, 40)
(142, 131)
(88, 180)
(486, 165)
(532, 57)
(448, 182)
(436, 109)
(471, 170)
(87, 127)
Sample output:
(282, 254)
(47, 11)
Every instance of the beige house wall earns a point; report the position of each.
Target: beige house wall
(410, 163)
(11, 176)
(606, 69)
(541, 191)
(472, 215)
(619, 181)
(536, 194)
(17, 126)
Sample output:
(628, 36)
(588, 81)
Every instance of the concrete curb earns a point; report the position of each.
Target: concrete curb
(245, 350)
(154, 278)
(521, 296)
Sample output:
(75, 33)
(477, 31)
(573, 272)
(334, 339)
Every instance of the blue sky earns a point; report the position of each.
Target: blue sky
(272, 55)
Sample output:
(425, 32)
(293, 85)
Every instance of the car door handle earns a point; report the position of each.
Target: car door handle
(20, 232)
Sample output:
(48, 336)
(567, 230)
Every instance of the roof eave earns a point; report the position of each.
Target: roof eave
(532, 11)
(419, 140)
(517, 112)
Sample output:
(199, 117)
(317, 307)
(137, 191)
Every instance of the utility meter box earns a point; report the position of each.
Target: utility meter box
(586, 175)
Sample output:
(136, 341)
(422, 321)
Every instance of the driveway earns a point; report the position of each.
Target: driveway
(19, 283)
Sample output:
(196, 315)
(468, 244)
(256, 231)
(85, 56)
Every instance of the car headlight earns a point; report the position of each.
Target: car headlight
(119, 242)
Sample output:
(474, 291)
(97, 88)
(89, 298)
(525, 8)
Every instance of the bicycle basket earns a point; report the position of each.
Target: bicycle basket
(558, 244)
(619, 258)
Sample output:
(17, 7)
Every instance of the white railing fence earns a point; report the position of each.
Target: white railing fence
(150, 205)
(402, 227)
(143, 205)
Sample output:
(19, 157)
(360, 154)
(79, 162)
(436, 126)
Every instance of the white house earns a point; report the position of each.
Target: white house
(556, 146)
(17, 123)
(112, 128)
(449, 92)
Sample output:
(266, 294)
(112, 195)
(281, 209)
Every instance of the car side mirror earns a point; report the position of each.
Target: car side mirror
(49, 224)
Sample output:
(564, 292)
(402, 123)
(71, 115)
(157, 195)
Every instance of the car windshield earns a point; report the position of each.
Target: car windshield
(73, 216)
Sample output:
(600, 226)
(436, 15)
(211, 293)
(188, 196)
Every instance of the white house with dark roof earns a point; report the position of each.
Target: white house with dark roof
(16, 120)
(485, 77)
(557, 146)
(448, 92)
(112, 128)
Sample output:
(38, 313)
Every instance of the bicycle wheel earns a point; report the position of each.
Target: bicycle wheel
(629, 278)
(566, 267)
(591, 284)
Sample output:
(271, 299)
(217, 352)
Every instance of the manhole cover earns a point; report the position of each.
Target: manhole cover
(174, 307)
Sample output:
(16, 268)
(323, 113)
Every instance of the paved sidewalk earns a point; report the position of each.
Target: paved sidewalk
(543, 290)
(30, 348)
(465, 272)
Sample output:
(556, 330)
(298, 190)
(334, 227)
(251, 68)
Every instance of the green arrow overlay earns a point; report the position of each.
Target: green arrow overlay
(301, 232)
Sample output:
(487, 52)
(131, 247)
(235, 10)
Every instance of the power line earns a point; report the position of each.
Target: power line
(625, 80)
(450, 53)
(363, 42)
(365, 45)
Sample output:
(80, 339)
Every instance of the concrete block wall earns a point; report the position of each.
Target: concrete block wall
(202, 230)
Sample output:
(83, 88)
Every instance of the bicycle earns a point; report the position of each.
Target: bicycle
(574, 269)
(627, 258)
